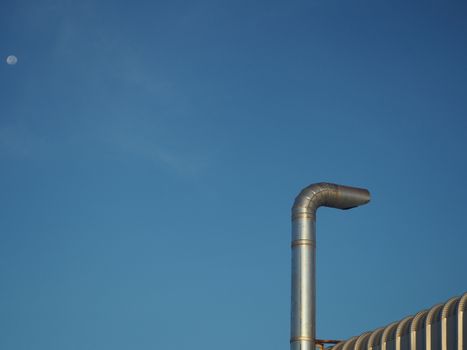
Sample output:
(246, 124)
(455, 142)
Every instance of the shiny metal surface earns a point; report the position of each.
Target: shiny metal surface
(417, 331)
(388, 337)
(303, 304)
(442, 327)
(362, 341)
(338, 346)
(433, 332)
(375, 339)
(461, 323)
(349, 344)
(448, 325)
(403, 333)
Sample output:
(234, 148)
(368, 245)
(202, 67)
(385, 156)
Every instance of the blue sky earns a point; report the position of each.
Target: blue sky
(150, 153)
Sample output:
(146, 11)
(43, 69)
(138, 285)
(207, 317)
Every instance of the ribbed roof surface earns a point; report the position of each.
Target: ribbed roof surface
(441, 327)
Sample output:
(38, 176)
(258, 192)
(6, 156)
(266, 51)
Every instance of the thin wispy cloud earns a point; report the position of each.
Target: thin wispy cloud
(107, 57)
(18, 142)
(186, 163)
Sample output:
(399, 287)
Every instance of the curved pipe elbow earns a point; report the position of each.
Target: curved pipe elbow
(328, 195)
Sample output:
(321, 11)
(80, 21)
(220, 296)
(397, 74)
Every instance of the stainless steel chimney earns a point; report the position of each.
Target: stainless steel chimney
(303, 309)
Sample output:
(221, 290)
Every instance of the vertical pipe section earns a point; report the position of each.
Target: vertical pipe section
(303, 309)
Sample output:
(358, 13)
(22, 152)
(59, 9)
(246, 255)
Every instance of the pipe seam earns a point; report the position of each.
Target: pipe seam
(301, 338)
(302, 242)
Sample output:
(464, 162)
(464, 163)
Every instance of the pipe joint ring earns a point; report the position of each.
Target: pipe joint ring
(301, 338)
(303, 216)
(302, 242)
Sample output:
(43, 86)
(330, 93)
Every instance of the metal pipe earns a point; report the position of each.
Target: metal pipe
(303, 310)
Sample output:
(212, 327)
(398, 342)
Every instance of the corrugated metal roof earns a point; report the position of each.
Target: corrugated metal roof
(442, 327)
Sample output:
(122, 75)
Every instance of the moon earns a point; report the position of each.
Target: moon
(11, 60)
